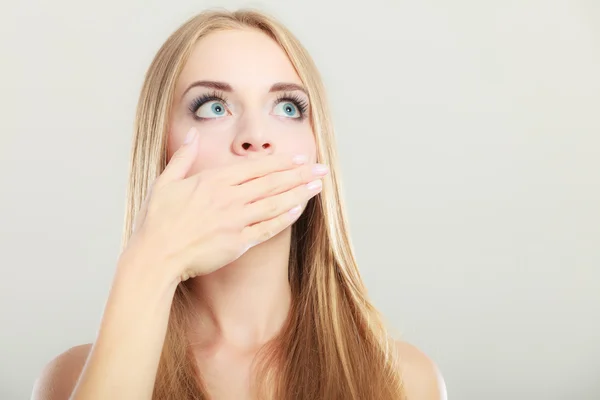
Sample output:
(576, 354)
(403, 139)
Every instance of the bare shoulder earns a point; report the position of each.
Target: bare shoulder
(422, 378)
(59, 377)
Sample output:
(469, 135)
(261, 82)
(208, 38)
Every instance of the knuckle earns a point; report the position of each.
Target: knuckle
(265, 234)
(228, 197)
(219, 197)
(272, 181)
(177, 157)
(232, 196)
(282, 222)
(271, 206)
(211, 198)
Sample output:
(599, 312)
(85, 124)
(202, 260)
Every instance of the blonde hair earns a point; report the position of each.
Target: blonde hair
(334, 344)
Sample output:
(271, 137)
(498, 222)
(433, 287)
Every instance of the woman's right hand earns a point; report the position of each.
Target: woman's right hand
(189, 225)
(194, 225)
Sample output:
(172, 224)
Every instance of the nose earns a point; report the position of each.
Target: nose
(252, 140)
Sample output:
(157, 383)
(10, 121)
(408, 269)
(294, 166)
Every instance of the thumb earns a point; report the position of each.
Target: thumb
(182, 160)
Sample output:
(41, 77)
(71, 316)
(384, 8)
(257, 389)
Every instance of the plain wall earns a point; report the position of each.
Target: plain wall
(469, 137)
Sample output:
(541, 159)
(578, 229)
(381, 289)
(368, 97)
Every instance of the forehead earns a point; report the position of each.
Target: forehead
(241, 57)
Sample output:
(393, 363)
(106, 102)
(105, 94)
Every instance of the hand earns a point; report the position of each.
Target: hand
(195, 225)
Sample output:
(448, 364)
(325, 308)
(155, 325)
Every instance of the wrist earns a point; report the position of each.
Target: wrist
(142, 268)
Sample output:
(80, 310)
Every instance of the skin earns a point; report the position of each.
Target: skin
(243, 304)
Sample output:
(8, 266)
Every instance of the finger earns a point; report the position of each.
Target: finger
(263, 231)
(280, 182)
(287, 202)
(255, 168)
(182, 160)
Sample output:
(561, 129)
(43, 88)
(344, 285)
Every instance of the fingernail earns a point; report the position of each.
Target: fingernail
(320, 169)
(315, 185)
(295, 210)
(190, 136)
(299, 159)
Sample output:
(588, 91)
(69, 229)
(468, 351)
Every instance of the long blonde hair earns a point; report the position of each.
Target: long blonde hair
(334, 344)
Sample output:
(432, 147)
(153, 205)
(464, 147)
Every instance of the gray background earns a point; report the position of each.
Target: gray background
(469, 134)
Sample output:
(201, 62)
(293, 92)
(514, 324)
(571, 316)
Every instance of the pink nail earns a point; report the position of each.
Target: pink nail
(315, 185)
(320, 169)
(295, 210)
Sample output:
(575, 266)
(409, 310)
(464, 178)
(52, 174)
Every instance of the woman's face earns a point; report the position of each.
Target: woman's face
(243, 95)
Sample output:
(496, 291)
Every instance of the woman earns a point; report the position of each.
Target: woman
(237, 278)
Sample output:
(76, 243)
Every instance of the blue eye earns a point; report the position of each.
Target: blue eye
(214, 106)
(211, 109)
(291, 105)
(209, 106)
(288, 109)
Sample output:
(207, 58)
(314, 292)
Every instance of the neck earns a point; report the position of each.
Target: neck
(245, 303)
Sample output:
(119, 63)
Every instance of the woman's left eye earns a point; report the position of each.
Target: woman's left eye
(287, 109)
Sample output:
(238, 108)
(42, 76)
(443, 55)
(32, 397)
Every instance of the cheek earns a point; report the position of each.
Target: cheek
(213, 150)
(299, 143)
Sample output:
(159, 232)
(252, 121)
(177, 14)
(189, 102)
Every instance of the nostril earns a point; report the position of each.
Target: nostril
(247, 146)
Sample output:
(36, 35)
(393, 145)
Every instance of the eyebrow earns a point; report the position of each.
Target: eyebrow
(225, 87)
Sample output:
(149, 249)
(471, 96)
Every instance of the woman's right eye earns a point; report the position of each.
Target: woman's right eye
(212, 109)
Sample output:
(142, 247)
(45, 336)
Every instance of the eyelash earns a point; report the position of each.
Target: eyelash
(296, 99)
(205, 98)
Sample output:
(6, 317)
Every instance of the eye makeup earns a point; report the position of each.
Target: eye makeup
(205, 98)
(297, 100)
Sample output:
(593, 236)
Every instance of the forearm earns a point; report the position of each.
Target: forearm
(124, 359)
